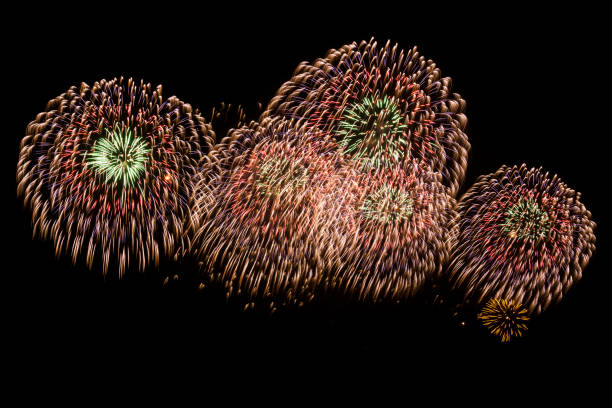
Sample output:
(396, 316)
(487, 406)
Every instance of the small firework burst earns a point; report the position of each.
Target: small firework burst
(521, 236)
(383, 106)
(257, 211)
(389, 231)
(526, 220)
(120, 157)
(372, 130)
(504, 318)
(387, 205)
(275, 176)
(107, 170)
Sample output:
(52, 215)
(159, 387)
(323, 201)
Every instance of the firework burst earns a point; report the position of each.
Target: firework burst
(521, 236)
(389, 231)
(504, 318)
(383, 106)
(120, 157)
(256, 212)
(107, 170)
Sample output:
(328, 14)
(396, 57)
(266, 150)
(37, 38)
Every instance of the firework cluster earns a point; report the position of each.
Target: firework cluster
(280, 213)
(107, 170)
(346, 184)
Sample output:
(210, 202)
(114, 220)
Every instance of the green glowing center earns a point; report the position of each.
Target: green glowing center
(119, 157)
(275, 176)
(526, 219)
(388, 205)
(373, 129)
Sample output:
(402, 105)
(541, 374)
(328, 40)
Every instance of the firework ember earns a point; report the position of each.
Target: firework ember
(257, 209)
(521, 236)
(383, 106)
(390, 231)
(107, 170)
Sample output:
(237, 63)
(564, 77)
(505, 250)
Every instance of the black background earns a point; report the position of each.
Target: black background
(532, 82)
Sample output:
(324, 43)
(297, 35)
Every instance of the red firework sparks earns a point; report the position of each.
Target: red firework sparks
(390, 233)
(521, 236)
(258, 212)
(107, 170)
(383, 106)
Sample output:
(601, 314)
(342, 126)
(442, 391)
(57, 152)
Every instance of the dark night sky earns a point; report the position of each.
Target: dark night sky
(530, 84)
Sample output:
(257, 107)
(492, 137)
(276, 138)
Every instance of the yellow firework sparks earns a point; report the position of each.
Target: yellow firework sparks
(504, 318)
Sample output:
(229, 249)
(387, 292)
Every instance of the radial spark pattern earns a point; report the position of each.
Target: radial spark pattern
(107, 170)
(504, 318)
(258, 212)
(522, 236)
(388, 204)
(120, 157)
(389, 231)
(383, 106)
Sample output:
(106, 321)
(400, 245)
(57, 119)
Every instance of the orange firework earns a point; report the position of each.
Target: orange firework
(504, 318)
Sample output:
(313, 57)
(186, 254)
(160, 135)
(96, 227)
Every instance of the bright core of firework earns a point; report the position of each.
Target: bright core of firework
(373, 128)
(120, 156)
(504, 318)
(387, 205)
(277, 175)
(526, 219)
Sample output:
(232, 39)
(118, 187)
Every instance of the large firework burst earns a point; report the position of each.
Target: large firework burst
(383, 106)
(521, 236)
(257, 209)
(504, 318)
(107, 170)
(389, 231)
